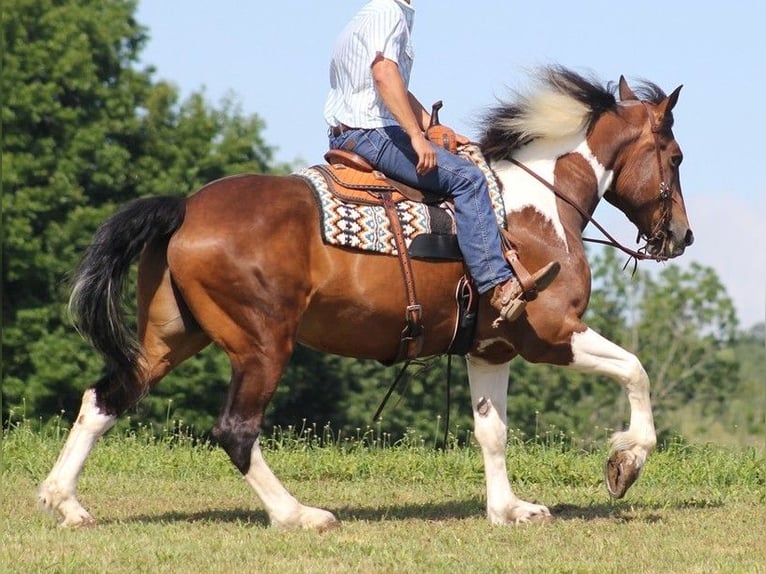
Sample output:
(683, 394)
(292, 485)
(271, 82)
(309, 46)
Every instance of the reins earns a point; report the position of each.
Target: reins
(424, 364)
(610, 240)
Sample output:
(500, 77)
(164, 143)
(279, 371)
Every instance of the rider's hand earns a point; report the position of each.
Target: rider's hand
(426, 154)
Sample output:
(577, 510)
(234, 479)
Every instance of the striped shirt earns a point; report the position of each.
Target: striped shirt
(380, 27)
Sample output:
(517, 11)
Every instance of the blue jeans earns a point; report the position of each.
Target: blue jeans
(389, 150)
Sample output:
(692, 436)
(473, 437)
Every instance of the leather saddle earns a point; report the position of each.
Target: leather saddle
(351, 178)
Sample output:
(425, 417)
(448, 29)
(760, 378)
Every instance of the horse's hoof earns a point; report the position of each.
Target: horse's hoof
(528, 513)
(620, 472)
(78, 522)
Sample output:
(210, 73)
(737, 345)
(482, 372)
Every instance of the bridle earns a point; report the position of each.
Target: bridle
(659, 234)
(661, 228)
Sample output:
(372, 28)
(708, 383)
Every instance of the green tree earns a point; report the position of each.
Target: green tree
(86, 130)
(685, 336)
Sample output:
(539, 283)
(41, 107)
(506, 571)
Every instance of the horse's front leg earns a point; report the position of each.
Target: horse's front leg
(489, 398)
(630, 448)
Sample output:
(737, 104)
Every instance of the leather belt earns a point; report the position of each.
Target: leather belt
(335, 131)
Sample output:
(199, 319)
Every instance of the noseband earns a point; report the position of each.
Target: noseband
(661, 230)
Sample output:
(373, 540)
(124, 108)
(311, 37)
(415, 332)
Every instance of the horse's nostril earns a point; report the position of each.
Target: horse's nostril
(689, 237)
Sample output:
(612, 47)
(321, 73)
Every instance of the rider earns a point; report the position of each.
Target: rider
(371, 112)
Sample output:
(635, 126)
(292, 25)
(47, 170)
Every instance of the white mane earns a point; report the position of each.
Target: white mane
(547, 114)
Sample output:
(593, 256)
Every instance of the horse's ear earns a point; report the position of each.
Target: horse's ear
(667, 105)
(673, 98)
(625, 92)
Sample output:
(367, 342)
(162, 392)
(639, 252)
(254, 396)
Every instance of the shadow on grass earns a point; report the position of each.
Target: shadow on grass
(627, 511)
(616, 511)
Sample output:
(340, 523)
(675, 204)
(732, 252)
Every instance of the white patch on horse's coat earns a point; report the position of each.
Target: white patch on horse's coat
(603, 176)
(521, 190)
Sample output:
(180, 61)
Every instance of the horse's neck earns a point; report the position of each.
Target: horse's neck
(522, 191)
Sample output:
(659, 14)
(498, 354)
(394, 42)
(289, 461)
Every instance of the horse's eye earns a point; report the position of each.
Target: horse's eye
(676, 160)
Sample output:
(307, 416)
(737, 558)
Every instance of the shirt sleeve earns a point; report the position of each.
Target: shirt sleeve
(387, 35)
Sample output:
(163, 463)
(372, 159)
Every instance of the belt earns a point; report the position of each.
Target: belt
(335, 131)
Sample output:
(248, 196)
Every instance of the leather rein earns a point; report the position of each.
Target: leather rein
(659, 232)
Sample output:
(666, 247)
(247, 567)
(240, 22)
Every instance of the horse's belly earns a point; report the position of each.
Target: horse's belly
(359, 310)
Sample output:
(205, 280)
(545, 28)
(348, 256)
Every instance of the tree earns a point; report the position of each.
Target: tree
(85, 131)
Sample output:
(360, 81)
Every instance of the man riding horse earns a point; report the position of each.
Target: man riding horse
(371, 113)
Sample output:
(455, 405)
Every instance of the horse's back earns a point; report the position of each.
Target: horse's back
(248, 198)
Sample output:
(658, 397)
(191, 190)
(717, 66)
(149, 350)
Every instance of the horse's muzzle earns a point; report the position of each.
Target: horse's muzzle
(673, 244)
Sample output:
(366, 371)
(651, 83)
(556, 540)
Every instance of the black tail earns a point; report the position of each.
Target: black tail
(95, 302)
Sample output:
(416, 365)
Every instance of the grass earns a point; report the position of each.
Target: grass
(175, 504)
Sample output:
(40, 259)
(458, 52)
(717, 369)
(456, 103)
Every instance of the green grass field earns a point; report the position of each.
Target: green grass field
(171, 504)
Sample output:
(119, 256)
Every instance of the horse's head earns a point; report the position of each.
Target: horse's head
(647, 187)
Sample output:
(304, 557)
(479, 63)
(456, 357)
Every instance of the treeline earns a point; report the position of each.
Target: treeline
(86, 129)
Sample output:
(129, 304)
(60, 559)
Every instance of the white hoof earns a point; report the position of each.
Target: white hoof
(318, 519)
(521, 512)
(308, 518)
(64, 507)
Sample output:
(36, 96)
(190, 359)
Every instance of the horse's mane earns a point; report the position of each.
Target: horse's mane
(562, 104)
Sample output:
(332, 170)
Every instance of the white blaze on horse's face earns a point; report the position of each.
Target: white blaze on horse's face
(521, 191)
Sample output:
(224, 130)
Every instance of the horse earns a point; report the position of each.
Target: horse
(241, 263)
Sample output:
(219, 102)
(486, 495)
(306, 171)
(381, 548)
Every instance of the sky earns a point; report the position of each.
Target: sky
(273, 58)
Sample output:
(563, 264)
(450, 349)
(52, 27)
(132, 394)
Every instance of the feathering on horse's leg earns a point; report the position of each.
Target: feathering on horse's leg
(630, 448)
(489, 392)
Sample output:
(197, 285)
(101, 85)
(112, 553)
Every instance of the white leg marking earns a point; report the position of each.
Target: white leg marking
(283, 508)
(489, 392)
(595, 354)
(58, 493)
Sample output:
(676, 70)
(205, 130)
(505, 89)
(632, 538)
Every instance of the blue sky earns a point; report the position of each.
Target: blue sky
(273, 57)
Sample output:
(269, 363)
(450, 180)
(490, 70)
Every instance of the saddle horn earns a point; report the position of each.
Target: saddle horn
(435, 114)
(438, 134)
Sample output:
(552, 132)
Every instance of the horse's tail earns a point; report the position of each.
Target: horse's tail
(95, 303)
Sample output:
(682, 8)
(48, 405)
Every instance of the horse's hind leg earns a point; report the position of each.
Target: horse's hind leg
(630, 448)
(257, 365)
(168, 336)
(257, 332)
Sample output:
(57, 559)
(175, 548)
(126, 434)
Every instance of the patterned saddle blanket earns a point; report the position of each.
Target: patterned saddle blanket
(354, 218)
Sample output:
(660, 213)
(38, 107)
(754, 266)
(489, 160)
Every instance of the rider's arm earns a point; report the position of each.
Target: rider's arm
(405, 108)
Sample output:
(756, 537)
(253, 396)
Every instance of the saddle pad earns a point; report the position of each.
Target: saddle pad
(366, 227)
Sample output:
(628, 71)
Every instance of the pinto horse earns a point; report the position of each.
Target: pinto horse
(241, 263)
